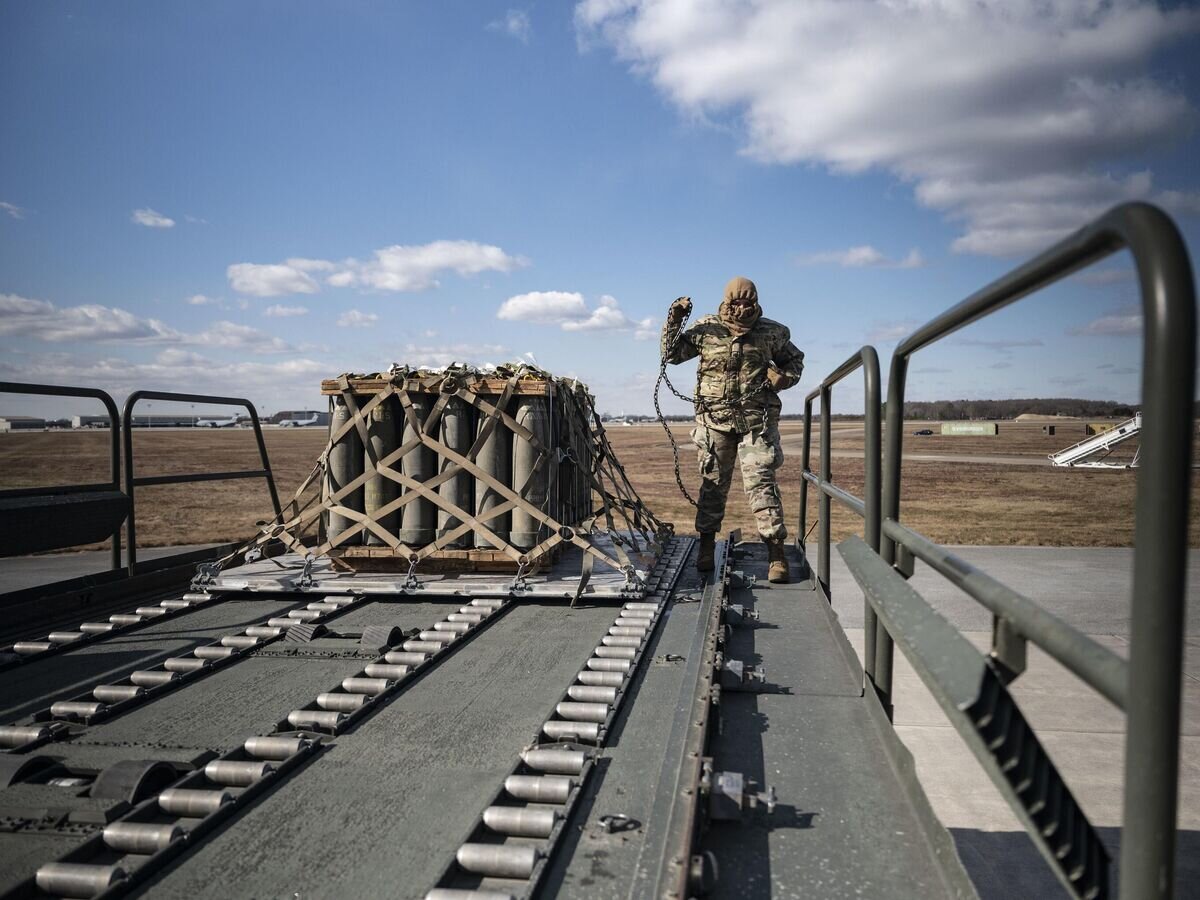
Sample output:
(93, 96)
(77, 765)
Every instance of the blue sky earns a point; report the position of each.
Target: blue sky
(248, 197)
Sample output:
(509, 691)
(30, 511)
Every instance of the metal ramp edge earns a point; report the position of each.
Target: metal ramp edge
(972, 693)
(900, 766)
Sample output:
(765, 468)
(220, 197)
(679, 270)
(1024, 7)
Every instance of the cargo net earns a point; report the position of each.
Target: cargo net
(508, 465)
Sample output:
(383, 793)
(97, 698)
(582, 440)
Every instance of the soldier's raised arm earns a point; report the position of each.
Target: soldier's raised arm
(683, 347)
(787, 364)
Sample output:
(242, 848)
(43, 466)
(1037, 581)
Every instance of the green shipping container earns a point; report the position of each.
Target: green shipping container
(976, 428)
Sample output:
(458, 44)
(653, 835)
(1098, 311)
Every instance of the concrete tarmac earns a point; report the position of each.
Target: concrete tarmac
(1090, 588)
(794, 443)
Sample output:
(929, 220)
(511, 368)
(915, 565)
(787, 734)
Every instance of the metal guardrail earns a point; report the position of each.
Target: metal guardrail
(971, 688)
(132, 482)
(868, 507)
(114, 484)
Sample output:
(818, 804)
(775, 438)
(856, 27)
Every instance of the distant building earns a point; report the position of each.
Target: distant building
(162, 420)
(89, 421)
(21, 423)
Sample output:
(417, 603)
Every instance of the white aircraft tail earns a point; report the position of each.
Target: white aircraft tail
(1078, 455)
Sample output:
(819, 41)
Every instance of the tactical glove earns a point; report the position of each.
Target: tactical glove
(679, 310)
(776, 379)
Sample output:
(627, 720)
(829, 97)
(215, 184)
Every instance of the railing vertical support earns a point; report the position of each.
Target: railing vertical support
(805, 460)
(872, 461)
(132, 482)
(1160, 563)
(823, 499)
(894, 430)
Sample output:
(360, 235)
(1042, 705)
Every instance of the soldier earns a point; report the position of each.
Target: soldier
(745, 360)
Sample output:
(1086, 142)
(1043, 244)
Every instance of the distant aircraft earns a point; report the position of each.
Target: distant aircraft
(300, 423)
(231, 422)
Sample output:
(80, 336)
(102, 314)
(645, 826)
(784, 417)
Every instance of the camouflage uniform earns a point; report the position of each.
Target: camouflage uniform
(737, 417)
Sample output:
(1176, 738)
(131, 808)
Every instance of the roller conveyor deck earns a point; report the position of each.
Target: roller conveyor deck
(37, 682)
(390, 803)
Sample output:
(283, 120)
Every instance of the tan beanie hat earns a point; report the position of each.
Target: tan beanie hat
(741, 288)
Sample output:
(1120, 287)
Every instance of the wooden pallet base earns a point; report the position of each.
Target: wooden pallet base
(385, 559)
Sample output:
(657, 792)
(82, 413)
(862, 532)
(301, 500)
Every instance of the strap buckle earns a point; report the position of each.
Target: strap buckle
(520, 582)
(206, 573)
(411, 583)
(306, 574)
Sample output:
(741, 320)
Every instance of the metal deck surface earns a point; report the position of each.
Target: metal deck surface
(852, 821)
(381, 810)
(245, 698)
(38, 682)
(594, 862)
(810, 734)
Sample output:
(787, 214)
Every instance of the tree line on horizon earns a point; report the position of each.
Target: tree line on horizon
(950, 410)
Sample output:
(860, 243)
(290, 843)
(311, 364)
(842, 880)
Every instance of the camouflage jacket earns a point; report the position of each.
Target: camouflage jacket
(732, 370)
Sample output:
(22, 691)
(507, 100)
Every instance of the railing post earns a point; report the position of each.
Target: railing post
(130, 525)
(871, 499)
(805, 459)
(266, 462)
(1160, 563)
(823, 505)
(894, 431)
(131, 481)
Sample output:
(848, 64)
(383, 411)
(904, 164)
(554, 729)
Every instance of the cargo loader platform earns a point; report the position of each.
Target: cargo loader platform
(667, 766)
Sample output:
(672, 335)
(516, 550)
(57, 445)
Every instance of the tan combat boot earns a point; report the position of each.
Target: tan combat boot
(704, 561)
(777, 570)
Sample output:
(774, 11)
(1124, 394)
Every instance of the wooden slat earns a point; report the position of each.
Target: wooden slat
(385, 559)
(485, 386)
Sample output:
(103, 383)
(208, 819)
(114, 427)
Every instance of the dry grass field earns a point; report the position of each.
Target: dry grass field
(951, 502)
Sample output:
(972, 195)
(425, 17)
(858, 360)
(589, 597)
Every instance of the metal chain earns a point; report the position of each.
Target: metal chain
(702, 406)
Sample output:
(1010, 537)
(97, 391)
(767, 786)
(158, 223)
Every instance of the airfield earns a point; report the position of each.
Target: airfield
(997, 491)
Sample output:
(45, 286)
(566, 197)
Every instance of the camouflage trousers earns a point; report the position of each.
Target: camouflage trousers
(759, 454)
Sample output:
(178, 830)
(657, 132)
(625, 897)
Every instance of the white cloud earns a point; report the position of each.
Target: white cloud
(43, 320)
(1180, 201)
(399, 268)
(270, 280)
(14, 211)
(440, 355)
(278, 311)
(151, 219)
(240, 337)
(1003, 345)
(1008, 116)
(1101, 277)
(888, 332)
(515, 24)
(352, 318)
(202, 300)
(1123, 322)
(93, 323)
(570, 311)
(416, 268)
(544, 307)
(864, 256)
(287, 383)
(311, 265)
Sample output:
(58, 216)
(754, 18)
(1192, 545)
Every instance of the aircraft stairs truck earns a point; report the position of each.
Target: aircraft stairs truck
(1083, 455)
(274, 727)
